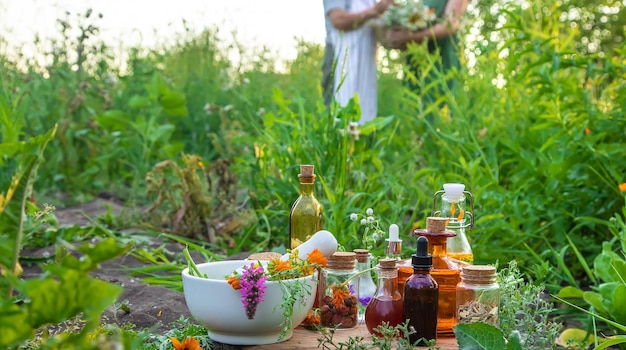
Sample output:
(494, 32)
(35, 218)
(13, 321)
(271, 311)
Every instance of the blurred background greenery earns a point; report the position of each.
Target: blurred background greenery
(536, 131)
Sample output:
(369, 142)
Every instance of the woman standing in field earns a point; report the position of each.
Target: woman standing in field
(441, 38)
(349, 65)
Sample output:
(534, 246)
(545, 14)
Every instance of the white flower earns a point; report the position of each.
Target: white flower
(353, 129)
(246, 81)
(363, 222)
(110, 78)
(227, 108)
(369, 211)
(370, 219)
(209, 108)
(260, 112)
(410, 14)
(353, 217)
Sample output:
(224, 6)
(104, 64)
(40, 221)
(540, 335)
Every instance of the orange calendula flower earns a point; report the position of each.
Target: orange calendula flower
(622, 187)
(190, 343)
(339, 294)
(461, 215)
(312, 318)
(316, 257)
(234, 282)
(587, 131)
(277, 265)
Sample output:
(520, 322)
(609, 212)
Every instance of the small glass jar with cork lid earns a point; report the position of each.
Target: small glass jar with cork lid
(478, 295)
(339, 301)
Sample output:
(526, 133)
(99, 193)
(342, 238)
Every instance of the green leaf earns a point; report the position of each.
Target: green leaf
(515, 342)
(575, 337)
(479, 336)
(114, 120)
(12, 321)
(595, 300)
(609, 266)
(174, 104)
(138, 102)
(103, 250)
(53, 301)
(618, 339)
(570, 292)
(614, 300)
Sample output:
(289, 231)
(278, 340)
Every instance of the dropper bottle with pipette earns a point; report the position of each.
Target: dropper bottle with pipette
(394, 243)
(394, 250)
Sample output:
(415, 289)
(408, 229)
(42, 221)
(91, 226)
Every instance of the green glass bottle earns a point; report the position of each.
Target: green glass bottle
(305, 218)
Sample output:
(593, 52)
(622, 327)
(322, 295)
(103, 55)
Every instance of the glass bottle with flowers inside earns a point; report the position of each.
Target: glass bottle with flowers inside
(339, 300)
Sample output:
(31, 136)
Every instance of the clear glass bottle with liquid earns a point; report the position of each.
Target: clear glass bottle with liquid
(338, 303)
(421, 296)
(367, 286)
(305, 218)
(453, 207)
(478, 295)
(387, 305)
(445, 271)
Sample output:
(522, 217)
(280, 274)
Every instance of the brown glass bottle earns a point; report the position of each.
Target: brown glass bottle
(305, 218)
(421, 295)
(445, 271)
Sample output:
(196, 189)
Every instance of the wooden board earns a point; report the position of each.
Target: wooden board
(307, 339)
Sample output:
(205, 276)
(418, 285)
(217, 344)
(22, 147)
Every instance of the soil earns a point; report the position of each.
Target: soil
(147, 306)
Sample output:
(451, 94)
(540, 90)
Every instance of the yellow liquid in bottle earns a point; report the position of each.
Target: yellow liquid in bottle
(465, 257)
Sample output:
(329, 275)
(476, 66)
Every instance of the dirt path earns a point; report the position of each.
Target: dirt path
(149, 306)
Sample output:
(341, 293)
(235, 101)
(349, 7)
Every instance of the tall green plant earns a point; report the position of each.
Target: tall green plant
(606, 301)
(61, 292)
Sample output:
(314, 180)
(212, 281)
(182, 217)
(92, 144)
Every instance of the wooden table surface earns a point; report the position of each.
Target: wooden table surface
(307, 339)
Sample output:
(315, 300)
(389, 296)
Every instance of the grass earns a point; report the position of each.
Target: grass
(533, 131)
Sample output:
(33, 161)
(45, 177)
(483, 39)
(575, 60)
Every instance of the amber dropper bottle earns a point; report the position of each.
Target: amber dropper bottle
(421, 294)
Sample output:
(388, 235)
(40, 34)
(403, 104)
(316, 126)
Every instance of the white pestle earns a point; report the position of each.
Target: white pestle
(323, 240)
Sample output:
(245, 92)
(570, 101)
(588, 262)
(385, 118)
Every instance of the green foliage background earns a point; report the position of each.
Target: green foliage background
(535, 131)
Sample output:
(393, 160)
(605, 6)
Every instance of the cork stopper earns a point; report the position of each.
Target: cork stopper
(479, 274)
(342, 261)
(307, 170)
(435, 226)
(479, 270)
(362, 255)
(387, 268)
(387, 263)
(307, 174)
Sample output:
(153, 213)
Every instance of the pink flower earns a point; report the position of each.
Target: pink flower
(252, 288)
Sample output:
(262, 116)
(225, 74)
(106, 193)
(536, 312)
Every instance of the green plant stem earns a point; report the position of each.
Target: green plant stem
(345, 283)
(20, 231)
(193, 269)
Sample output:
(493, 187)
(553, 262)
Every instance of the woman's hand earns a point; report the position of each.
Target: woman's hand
(397, 38)
(382, 6)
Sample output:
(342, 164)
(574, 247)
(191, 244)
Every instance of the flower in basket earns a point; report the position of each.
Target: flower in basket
(410, 14)
(250, 281)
